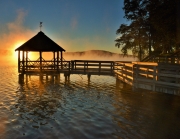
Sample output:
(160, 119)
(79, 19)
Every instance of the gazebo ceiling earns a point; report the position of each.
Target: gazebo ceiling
(40, 42)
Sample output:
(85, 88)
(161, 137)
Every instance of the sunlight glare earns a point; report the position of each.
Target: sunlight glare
(15, 57)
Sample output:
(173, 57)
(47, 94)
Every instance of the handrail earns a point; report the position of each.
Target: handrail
(145, 73)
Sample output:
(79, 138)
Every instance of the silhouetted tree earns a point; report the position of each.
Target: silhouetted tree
(153, 26)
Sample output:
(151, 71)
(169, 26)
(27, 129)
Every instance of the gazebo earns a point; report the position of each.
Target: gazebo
(40, 43)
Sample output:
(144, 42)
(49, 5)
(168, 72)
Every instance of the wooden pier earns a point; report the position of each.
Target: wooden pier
(160, 77)
(85, 67)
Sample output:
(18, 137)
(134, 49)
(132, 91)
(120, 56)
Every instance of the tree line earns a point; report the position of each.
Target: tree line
(153, 27)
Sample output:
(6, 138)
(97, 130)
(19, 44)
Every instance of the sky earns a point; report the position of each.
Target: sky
(76, 25)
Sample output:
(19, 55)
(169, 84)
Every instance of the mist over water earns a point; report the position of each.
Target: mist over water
(8, 57)
(98, 55)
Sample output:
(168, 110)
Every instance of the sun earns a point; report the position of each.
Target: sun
(15, 57)
(16, 45)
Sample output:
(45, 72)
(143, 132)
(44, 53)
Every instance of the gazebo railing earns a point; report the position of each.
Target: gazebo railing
(33, 65)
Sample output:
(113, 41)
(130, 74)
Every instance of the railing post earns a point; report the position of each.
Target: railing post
(133, 79)
(69, 66)
(72, 65)
(26, 60)
(57, 60)
(84, 66)
(18, 61)
(99, 67)
(87, 66)
(75, 65)
(23, 61)
(122, 72)
(154, 78)
(112, 67)
(136, 77)
(61, 60)
(40, 53)
(54, 59)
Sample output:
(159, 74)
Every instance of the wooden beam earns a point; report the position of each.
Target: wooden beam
(54, 59)
(61, 60)
(40, 56)
(57, 60)
(26, 59)
(23, 60)
(19, 61)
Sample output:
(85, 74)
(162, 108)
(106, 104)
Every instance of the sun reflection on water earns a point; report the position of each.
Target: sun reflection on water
(50, 107)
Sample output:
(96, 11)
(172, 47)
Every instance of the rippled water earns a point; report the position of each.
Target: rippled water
(102, 108)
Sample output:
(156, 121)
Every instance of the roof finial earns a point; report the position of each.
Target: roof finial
(40, 25)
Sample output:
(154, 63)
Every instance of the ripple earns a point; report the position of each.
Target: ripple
(101, 108)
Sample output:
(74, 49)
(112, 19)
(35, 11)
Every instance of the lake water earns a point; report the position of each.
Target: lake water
(77, 109)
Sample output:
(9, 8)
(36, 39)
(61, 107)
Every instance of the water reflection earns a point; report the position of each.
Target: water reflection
(145, 114)
(51, 107)
(38, 99)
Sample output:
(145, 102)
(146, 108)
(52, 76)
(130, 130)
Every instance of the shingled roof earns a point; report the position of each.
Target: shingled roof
(40, 42)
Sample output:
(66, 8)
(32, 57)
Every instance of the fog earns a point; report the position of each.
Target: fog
(97, 55)
(10, 58)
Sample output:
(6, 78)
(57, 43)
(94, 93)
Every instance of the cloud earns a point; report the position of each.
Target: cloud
(15, 35)
(16, 32)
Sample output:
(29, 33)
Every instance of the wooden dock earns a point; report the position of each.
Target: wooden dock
(160, 77)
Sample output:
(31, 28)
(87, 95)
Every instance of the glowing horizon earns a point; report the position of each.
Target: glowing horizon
(87, 26)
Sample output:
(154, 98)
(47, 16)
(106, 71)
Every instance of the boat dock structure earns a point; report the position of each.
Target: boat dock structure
(156, 76)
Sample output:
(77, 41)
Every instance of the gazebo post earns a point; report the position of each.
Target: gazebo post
(26, 59)
(57, 60)
(23, 60)
(54, 58)
(19, 61)
(40, 56)
(61, 60)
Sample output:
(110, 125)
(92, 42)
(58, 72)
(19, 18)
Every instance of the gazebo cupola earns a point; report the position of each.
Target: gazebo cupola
(39, 43)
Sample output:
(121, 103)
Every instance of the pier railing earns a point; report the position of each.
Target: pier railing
(163, 59)
(70, 67)
(48, 65)
(92, 67)
(162, 77)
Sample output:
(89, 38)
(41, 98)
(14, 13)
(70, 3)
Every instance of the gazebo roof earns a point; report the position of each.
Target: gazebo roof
(40, 42)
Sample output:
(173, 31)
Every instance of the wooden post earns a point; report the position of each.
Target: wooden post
(112, 67)
(84, 66)
(21, 79)
(61, 60)
(69, 66)
(133, 81)
(23, 60)
(26, 60)
(57, 60)
(99, 67)
(173, 59)
(75, 65)
(136, 77)
(72, 64)
(154, 78)
(54, 59)
(40, 54)
(89, 76)
(18, 61)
